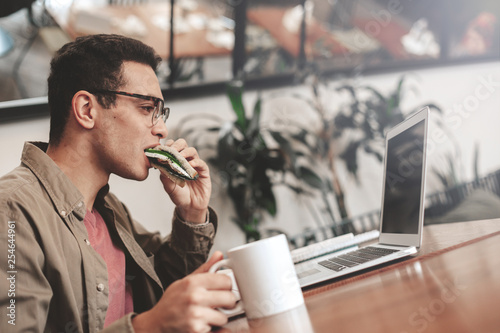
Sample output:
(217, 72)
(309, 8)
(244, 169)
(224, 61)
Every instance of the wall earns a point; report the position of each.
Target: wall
(469, 94)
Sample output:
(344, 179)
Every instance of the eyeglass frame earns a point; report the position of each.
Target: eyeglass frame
(160, 110)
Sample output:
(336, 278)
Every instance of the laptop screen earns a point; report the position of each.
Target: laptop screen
(404, 172)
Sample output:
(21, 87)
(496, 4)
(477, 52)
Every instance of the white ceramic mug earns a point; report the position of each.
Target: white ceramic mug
(265, 276)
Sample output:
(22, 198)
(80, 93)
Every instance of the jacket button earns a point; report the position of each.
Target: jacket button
(87, 242)
(100, 287)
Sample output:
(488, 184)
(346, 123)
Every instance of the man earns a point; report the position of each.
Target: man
(75, 260)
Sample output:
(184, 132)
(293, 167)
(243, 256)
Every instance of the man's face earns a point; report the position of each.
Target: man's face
(126, 129)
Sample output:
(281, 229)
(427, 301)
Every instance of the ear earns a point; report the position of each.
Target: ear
(84, 108)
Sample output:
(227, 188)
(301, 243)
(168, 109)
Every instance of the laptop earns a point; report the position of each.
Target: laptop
(402, 209)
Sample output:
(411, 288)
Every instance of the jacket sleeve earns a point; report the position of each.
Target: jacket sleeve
(122, 325)
(181, 252)
(185, 249)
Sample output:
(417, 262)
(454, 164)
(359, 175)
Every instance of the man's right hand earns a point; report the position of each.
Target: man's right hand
(188, 304)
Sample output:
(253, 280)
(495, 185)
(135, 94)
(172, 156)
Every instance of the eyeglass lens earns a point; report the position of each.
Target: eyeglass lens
(160, 112)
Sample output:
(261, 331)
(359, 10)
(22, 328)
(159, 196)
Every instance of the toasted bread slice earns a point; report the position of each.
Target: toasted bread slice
(171, 163)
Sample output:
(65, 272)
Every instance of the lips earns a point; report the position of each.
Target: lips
(148, 162)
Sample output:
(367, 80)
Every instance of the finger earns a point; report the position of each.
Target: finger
(209, 281)
(204, 317)
(168, 184)
(213, 298)
(221, 299)
(217, 256)
(215, 317)
(197, 321)
(198, 164)
(179, 145)
(169, 142)
(190, 153)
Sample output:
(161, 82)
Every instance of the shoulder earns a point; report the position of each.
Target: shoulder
(19, 188)
(16, 179)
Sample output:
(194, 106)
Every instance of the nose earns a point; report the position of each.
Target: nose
(160, 129)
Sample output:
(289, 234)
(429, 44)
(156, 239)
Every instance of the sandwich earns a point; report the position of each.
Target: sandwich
(172, 164)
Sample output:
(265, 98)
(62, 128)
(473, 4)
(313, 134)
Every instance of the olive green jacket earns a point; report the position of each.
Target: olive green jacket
(51, 279)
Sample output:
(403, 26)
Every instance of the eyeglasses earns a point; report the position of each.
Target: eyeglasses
(160, 111)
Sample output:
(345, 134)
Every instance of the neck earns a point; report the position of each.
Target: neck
(78, 163)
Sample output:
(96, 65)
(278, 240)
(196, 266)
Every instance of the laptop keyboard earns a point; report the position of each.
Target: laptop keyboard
(355, 258)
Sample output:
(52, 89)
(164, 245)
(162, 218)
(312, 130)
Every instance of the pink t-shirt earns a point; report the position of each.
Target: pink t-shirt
(120, 292)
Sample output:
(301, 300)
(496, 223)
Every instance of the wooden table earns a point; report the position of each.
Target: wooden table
(452, 285)
(192, 44)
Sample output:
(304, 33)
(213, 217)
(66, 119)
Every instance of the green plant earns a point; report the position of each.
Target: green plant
(448, 174)
(251, 159)
(363, 120)
(370, 114)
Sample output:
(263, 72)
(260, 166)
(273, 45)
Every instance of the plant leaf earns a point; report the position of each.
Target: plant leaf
(287, 148)
(235, 94)
(349, 156)
(254, 126)
(310, 177)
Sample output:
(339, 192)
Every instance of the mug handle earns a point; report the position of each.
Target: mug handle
(223, 263)
(238, 309)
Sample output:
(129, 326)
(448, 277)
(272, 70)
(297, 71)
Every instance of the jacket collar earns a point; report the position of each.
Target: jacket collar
(66, 197)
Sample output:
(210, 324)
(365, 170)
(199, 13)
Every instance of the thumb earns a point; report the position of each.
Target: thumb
(168, 184)
(217, 256)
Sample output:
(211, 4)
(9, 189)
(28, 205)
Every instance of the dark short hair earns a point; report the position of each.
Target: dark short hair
(91, 62)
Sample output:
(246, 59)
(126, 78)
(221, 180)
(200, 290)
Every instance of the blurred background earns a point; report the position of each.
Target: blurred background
(288, 101)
